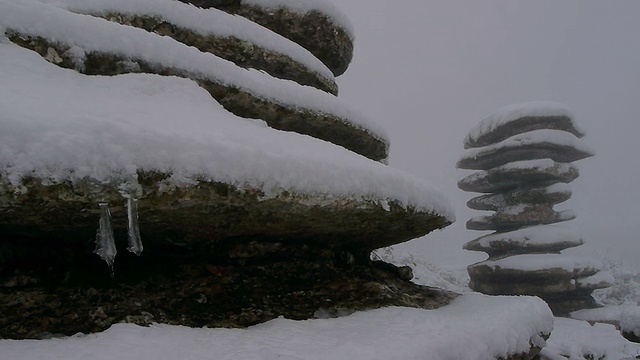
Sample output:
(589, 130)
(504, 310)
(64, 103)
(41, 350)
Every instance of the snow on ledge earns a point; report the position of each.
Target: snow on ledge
(203, 22)
(88, 33)
(473, 326)
(557, 138)
(575, 339)
(627, 316)
(513, 112)
(539, 262)
(58, 124)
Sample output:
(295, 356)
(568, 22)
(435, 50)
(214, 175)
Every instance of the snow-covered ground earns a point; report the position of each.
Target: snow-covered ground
(571, 338)
(457, 331)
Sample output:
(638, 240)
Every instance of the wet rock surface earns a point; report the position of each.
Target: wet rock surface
(524, 153)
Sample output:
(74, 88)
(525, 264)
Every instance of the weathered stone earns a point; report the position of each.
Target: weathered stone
(519, 125)
(207, 214)
(555, 284)
(531, 240)
(242, 53)
(238, 101)
(554, 194)
(524, 152)
(495, 156)
(274, 254)
(520, 216)
(625, 318)
(195, 288)
(313, 30)
(535, 173)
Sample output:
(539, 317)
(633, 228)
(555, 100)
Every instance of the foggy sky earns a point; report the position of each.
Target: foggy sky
(431, 70)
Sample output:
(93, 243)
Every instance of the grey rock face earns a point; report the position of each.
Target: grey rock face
(524, 153)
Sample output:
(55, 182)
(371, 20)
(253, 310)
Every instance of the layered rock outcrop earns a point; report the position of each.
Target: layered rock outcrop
(524, 153)
(266, 205)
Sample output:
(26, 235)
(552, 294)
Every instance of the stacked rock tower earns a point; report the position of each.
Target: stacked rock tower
(257, 194)
(524, 153)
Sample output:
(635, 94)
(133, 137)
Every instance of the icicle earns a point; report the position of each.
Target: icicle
(105, 243)
(131, 190)
(135, 243)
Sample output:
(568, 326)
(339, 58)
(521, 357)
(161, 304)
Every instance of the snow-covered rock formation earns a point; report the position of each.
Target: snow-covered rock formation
(524, 153)
(213, 146)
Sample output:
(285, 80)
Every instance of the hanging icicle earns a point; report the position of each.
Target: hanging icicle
(131, 190)
(135, 243)
(105, 242)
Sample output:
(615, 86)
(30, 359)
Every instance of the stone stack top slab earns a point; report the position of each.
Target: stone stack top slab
(520, 118)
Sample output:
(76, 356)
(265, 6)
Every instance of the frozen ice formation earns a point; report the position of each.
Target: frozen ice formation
(105, 242)
(523, 153)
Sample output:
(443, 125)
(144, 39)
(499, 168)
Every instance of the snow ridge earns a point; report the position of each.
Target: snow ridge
(94, 34)
(202, 21)
(139, 123)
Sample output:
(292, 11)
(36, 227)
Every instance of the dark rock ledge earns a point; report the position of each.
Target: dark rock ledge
(214, 255)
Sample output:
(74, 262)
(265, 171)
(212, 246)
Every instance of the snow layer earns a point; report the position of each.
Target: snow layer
(425, 273)
(327, 7)
(88, 33)
(538, 262)
(534, 235)
(58, 124)
(201, 21)
(577, 340)
(603, 278)
(513, 112)
(561, 139)
(627, 316)
(537, 164)
(457, 331)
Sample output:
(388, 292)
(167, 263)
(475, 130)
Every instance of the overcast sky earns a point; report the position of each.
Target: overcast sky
(431, 70)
